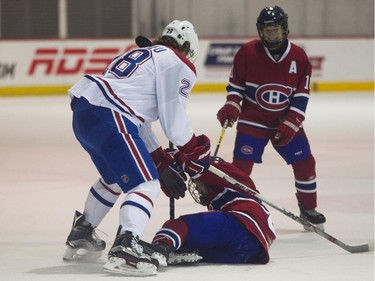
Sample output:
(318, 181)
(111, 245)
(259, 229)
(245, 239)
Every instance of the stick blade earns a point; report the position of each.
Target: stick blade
(361, 248)
(371, 247)
(143, 41)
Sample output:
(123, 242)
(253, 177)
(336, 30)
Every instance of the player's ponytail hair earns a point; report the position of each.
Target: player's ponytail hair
(171, 42)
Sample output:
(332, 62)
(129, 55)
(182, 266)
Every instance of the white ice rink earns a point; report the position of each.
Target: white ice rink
(45, 176)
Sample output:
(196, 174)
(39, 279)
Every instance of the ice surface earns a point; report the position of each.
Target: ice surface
(45, 176)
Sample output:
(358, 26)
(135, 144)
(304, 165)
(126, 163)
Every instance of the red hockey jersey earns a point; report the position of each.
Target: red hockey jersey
(269, 89)
(226, 197)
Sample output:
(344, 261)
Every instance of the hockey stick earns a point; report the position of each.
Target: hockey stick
(171, 199)
(143, 41)
(352, 249)
(221, 136)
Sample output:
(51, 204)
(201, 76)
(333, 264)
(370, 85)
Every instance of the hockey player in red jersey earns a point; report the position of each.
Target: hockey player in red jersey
(268, 93)
(237, 229)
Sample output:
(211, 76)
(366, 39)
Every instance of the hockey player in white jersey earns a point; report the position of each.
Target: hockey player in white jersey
(112, 116)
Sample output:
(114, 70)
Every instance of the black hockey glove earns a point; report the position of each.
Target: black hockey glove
(172, 176)
(172, 183)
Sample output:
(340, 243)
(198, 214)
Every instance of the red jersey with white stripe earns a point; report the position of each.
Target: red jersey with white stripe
(224, 196)
(269, 89)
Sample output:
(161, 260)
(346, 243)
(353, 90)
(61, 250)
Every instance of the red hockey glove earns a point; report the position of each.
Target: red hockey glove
(287, 129)
(172, 176)
(195, 156)
(230, 111)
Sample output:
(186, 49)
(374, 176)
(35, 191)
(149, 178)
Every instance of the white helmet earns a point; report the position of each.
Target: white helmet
(184, 31)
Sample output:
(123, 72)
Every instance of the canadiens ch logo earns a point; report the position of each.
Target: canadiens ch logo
(247, 150)
(273, 97)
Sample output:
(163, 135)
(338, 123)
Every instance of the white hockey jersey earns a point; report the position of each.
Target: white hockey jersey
(145, 85)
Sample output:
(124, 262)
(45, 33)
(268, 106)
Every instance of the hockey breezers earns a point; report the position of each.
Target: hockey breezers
(352, 249)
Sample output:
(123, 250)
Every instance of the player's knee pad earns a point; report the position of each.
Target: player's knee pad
(304, 170)
(149, 190)
(103, 193)
(100, 200)
(136, 209)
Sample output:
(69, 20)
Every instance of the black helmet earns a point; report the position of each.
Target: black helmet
(271, 16)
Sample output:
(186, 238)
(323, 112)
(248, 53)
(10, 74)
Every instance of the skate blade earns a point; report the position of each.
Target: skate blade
(80, 255)
(119, 266)
(160, 258)
(183, 258)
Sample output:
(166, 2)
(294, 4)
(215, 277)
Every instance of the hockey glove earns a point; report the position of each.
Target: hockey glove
(172, 176)
(230, 111)
(195, 156)
(287, 129)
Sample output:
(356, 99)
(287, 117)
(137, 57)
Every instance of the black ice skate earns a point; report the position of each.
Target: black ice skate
(159, 252)
(313, 216)
(83, 244)
(126, 257)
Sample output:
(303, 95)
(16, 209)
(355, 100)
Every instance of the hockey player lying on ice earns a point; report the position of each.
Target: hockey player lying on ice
(237, 228)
